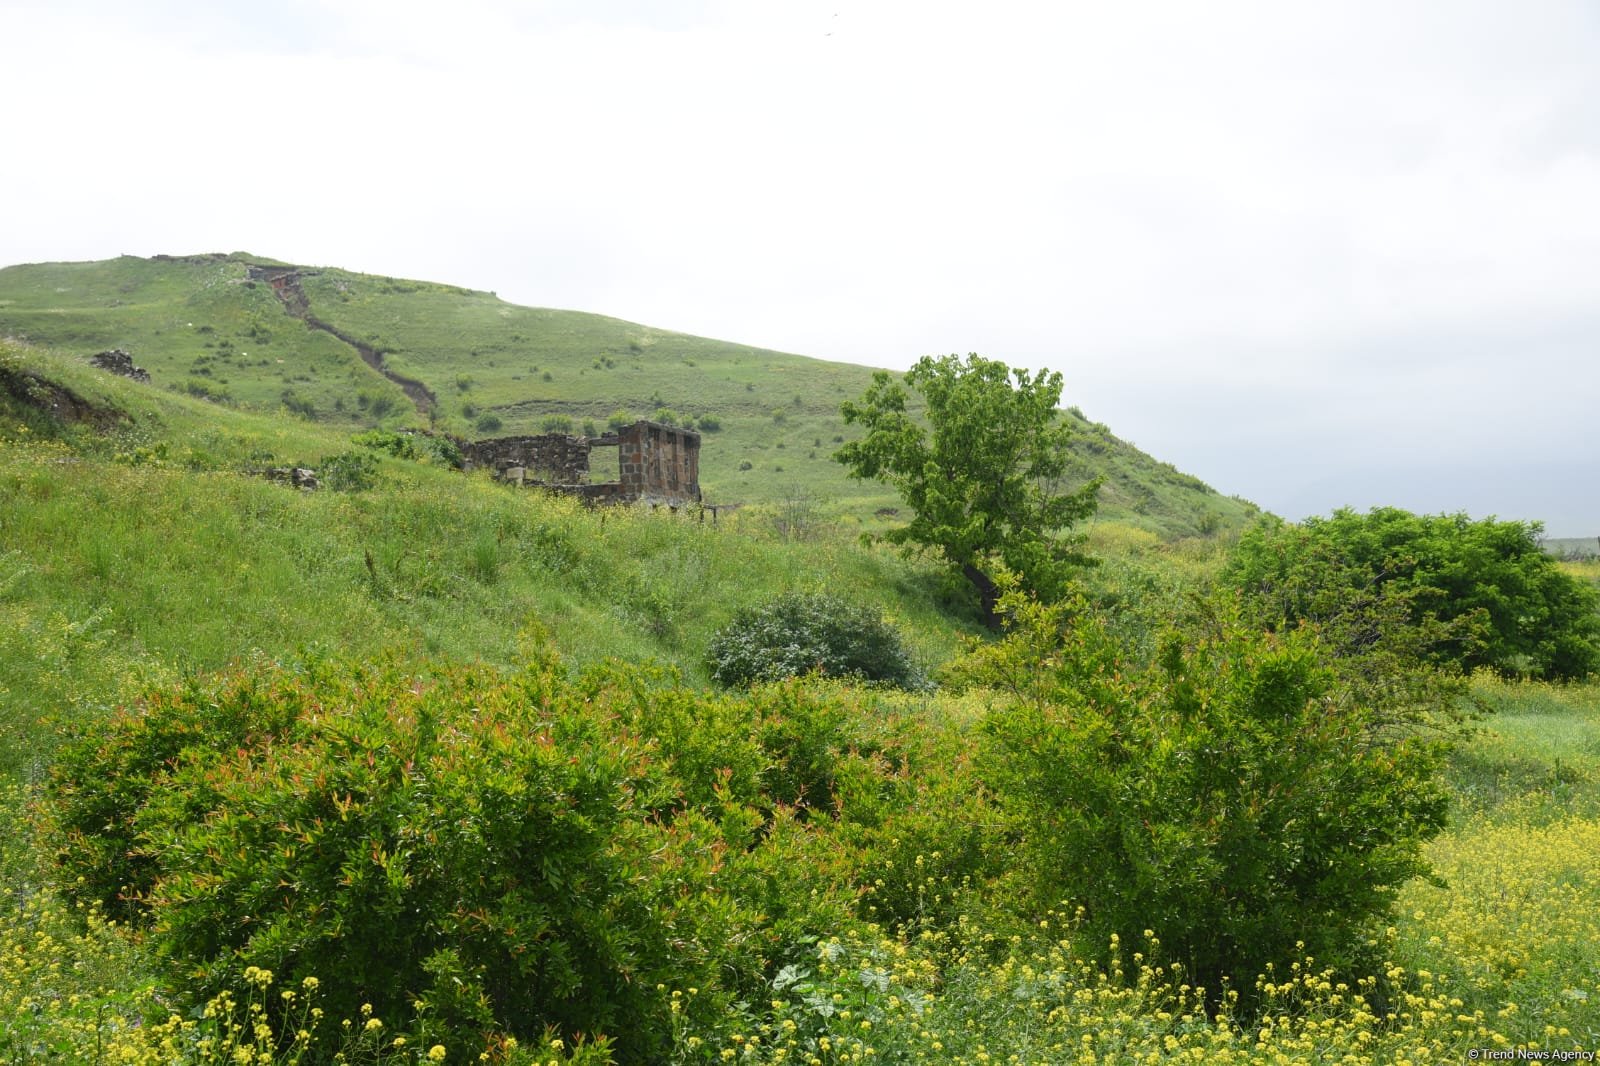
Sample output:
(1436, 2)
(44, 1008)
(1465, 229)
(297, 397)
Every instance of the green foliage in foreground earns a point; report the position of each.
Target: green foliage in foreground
(800, 633)
(1497, 955)
(489, 854)
(545, 850)
(1223, 795)
(1494, 598)
(982, 479)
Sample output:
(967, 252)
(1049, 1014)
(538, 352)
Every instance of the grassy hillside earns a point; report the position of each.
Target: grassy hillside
(206, 326)
(147, 549)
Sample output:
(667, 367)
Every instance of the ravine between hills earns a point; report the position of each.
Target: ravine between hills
(285, 282)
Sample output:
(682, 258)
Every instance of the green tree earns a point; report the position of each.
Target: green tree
(1486, 588)
(979, 475)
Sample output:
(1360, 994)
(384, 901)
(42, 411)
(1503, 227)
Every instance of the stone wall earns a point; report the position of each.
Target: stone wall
(118, 361)
(548, 459)
(655, 463)
(659, 463)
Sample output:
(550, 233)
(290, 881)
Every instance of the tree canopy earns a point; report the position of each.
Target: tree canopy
(1503, 602)
(979, 473)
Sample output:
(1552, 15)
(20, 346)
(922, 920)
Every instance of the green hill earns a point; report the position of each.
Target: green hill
(139, 539)
(350, 350)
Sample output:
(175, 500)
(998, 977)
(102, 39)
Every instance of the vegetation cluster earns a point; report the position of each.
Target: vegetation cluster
(810, 633)
(1495, 599)
(1158, 817)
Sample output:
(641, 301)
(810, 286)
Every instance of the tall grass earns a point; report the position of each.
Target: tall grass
(115, 571)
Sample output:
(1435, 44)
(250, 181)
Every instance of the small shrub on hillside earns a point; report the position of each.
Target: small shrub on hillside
(410, 445)
(297, 404)
(802, 633)
(708, 424)
(215, 393)
(556, 424)
(347, 471)
(488, 424)
(399, 445)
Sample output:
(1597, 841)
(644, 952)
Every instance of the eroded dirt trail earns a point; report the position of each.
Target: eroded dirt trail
(285, 282)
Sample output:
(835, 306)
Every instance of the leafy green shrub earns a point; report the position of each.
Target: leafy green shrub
(399, 445)
(377, 404)
(1224, 795)
(1492, 595)
(215, 393)
(489, 424)
(347, 471)
(556, 424)
(708, 424)
(800, 633)
(410, 445)
(665, 415)
(297, 404)
(484, 853)
(620, 418)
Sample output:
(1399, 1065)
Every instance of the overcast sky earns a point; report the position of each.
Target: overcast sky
(1319, 255)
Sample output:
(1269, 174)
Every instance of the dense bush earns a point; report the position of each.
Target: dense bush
(803, 633)
(1223, 795)
(1493, 595)
(482, 853)
(347, 471)
(411, 445)
(556, 424)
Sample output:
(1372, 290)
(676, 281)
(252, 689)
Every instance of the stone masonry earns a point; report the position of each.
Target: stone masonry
(656, 463)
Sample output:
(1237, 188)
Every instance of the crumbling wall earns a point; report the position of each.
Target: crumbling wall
(118, 361)
(655, 463)
(549, 458)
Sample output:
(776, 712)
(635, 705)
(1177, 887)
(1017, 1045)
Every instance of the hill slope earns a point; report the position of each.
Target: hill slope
(355, 349)
(136, 542)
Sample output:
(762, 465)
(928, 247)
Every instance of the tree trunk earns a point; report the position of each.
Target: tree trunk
(988, 594)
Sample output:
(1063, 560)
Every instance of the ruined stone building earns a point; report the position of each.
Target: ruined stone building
(655, 463)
